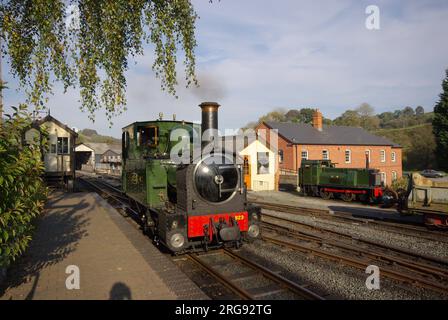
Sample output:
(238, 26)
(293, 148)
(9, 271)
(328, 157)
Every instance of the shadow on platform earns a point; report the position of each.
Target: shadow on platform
(120, 291)
(56, 236)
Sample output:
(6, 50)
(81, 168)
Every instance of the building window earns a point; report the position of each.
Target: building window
(368, 155)
(262, 162)
(280, 156)
(394, 175)
(348, 156)
(383, 156)
(325, 155)
(304, 154)
(62, 145)
(383, 178)
(393, 157)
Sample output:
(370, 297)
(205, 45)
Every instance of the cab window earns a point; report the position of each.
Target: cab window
(147, 136)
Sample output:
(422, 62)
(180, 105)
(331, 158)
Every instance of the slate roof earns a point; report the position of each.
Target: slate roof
(49, 118)
(300, 133)
(101, 147)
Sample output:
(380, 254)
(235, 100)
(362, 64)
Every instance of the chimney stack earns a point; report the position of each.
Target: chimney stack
(317, 120)
(209, 118)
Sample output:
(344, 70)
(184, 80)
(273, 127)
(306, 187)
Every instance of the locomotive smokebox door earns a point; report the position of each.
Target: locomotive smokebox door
(210, 188)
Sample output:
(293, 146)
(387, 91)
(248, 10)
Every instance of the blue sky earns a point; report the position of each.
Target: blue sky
(254, 56)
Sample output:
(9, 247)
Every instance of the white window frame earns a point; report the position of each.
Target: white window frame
(328, 154)
(369, 153)
(383, 155)
(394, 175)
(63, 144)
(349, 156)
(393, 156)
(301, 155)
(383, 174)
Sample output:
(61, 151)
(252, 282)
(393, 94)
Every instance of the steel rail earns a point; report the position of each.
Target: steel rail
(392, 274)
(423, 269)
(123, 202)
(242, 293)
(359, 240)
(283, 283)
(399, 228)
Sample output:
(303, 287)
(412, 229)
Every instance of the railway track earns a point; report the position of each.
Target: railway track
(423, 271)
(248, 279)
(397, 228)
(326, 233)
(243, 284)
(395, 263)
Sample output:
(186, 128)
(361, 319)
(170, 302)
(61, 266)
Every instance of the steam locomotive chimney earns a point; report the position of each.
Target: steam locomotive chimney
(209, 119)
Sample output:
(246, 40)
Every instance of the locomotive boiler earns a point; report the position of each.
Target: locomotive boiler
(186, 206)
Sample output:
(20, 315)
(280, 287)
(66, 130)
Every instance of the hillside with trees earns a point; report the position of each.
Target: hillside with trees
(90, 135)
(409, 127)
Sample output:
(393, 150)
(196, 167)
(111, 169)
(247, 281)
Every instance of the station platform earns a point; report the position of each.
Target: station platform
(115, 260)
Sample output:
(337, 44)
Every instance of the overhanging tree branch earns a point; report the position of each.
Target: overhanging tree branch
(87, 44)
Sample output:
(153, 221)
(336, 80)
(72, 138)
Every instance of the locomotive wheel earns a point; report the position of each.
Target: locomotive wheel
(347, 197)
(176, 240)
(253, 232)
(390, 197)
(326, 195)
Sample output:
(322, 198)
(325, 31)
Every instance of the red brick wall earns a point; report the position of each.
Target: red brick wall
(337, 155)
(289, 155)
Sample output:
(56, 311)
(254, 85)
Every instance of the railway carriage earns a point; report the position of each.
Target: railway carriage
(190, 206)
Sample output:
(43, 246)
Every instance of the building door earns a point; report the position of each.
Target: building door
(247, 172)
(51, 162)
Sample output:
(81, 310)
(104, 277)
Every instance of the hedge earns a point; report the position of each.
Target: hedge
(22, 189)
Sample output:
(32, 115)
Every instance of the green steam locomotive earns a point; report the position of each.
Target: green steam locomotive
(196, 204)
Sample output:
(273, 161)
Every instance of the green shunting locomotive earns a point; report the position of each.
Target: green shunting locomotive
(322, 178)
(192, 206)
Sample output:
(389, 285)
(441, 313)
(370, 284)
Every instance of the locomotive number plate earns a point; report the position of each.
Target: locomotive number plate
(239, 217)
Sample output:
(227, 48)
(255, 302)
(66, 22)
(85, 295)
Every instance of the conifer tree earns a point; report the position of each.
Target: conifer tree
(440, 126)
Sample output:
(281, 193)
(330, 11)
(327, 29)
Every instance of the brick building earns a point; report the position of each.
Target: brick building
(348, 147)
